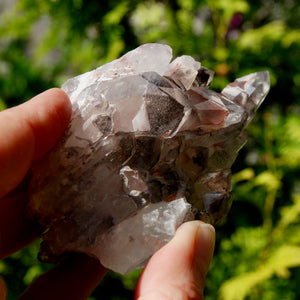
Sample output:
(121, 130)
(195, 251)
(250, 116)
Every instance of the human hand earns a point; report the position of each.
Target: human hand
(178, 270)
(28, 132)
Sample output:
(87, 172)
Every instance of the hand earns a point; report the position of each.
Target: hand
(27, 133)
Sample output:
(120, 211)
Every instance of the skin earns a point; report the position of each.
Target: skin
(176, 271)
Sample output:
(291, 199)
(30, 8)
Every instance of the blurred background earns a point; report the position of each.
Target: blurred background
(257, 255)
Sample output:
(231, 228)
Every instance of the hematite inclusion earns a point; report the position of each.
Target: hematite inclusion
(149, 146)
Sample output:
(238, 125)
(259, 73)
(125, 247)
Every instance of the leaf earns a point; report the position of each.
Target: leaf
(239, 287)
(228, 10)
(291, 37)
(2, 105)
(289, 214)
(255, 39)
(116, 14)
(289, 147)
(246, 174)
(32, 273)
(268, 179)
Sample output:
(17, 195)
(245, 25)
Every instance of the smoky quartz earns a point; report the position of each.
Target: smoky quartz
(149, 147)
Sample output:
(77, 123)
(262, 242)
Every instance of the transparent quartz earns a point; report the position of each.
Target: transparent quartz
(149, 147)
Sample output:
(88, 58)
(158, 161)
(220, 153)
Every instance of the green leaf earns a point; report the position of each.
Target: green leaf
(116, 14)
(268, 179)
(2, 105)
(246, 174)
(255, 39)
(289, 214)
(282, 259)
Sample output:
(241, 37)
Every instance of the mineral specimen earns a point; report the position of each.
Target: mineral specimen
(149, 146)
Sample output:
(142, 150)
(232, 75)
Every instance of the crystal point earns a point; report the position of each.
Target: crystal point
(149, 146)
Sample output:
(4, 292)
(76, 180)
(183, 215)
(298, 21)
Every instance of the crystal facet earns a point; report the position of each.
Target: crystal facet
(149, 146)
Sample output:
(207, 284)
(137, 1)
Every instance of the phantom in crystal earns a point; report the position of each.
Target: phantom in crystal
(149, 147)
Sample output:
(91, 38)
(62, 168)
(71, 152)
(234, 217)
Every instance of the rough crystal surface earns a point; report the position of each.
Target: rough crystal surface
(149, 146)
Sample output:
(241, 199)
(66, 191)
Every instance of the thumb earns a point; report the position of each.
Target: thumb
(177, 271)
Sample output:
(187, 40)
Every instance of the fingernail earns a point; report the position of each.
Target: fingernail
(205, 242)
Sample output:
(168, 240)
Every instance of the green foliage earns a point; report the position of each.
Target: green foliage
(2, 105)
(21, 268)
(43, 42)
(277, 254)
(264, 256)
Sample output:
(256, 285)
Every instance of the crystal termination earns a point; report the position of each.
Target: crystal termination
(149, 146)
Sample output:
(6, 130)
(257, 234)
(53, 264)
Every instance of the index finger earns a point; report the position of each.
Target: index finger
(27, 132)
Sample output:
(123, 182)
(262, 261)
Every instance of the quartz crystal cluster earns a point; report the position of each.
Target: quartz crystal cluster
(149, 146)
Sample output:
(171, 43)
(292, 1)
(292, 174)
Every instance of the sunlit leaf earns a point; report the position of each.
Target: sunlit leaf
(268, 179)
(238, 287)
